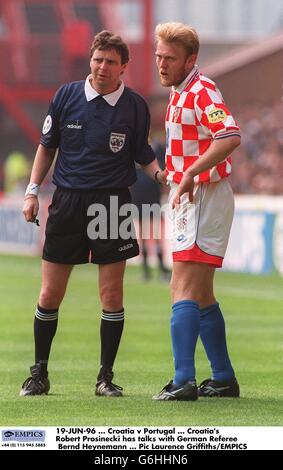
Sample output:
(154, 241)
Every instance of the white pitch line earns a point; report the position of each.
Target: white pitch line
(250, 294)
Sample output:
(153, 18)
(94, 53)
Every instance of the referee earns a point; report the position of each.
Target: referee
(100, 129)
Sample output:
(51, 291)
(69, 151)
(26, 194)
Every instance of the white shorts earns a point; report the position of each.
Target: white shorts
(200, 230)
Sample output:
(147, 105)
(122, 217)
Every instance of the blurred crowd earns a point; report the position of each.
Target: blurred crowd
(258, 162)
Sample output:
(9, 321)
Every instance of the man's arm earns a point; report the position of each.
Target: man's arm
(43, 160)
(154, 171)
(216, 153)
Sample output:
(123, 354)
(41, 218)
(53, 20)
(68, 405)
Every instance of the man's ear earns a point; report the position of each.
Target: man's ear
(191, 60)
(124, 66)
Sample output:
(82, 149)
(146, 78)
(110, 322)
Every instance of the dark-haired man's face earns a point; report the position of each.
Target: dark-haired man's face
(173, 63)
(106, 69)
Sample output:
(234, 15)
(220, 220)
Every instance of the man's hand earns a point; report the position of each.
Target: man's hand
(186, 186)
(161, 177)
(30, 208)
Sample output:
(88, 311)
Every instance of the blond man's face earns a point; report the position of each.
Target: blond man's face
(172, 62)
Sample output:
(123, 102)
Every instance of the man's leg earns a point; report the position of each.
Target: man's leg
(146, 268)
(212, 332)
(213, 337)
(165, 273)
(54, 282)
(191, 287)
(112, 322)
(197, 284)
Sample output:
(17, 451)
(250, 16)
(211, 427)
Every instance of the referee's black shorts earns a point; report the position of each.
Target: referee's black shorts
(71, 236)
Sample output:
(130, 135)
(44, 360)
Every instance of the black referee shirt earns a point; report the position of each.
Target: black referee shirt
(97, 143)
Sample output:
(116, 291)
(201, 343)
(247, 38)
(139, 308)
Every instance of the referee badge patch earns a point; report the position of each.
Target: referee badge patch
(216, 115)
(47, 124)
(116, 141)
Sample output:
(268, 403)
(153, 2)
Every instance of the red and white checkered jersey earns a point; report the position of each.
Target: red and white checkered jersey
(196, 115)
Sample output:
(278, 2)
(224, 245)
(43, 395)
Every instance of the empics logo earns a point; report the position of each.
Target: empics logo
(23, 435)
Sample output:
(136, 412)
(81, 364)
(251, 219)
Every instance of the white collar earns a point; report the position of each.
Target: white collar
(187, 80)
(111, 98)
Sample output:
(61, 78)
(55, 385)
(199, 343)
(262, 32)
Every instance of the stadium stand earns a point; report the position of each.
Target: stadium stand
(44, 43)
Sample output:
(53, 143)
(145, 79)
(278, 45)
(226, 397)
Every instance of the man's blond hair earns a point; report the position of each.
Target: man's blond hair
(178, 32)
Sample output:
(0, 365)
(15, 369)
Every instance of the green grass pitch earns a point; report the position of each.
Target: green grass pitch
(253, 309)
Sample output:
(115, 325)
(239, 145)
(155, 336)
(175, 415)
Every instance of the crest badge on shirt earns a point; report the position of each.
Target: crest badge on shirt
(176, 114)
(116, 141)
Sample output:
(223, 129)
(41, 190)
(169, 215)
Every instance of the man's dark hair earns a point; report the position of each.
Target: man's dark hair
(106, 40)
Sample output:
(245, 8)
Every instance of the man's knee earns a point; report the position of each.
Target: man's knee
(50, 297)
(111, 299)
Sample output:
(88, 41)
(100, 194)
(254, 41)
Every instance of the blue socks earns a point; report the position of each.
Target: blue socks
(187, 323)
(185, 326)
(212, 333)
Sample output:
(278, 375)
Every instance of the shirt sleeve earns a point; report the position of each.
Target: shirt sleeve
(143, 151)
(50, 134)
(213, 114)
